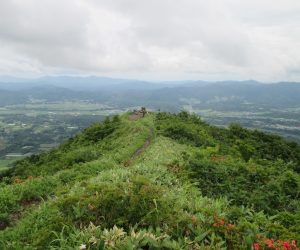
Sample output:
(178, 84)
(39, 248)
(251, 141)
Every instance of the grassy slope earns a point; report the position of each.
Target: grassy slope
(4, 164)
(103, 203)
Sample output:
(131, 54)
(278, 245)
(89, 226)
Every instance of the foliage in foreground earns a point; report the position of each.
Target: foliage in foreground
(195, 187)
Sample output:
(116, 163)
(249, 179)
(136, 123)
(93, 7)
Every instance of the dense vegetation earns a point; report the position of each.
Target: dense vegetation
(165, 181)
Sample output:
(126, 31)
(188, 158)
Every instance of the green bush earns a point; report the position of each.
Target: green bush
(136, 202)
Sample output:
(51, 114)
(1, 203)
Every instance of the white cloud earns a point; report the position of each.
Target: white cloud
(153, 39)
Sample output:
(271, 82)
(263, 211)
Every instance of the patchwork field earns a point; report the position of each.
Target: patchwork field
(39, 126)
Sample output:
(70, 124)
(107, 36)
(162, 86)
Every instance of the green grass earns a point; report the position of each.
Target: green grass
(85, 192)
(4, 164)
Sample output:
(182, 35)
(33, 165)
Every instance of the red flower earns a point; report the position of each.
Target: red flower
(256, 246)
(29, 177)
(222, 222)
(18, 180)
(270, 243)
(294, 245)
(286, 245)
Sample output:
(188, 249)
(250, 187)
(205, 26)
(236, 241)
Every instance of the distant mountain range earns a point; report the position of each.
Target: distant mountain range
(90, 83)
(170, 96)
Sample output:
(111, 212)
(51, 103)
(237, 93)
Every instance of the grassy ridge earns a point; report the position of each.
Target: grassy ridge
(194, 187)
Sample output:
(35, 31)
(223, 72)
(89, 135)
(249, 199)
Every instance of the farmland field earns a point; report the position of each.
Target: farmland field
(284, 122)
(39, 126)
(32, 128)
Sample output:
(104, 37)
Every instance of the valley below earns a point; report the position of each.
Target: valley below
(40, 126)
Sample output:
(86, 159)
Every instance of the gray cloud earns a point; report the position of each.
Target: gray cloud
(152, 39)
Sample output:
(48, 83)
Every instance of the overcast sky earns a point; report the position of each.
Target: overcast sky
(152, 39)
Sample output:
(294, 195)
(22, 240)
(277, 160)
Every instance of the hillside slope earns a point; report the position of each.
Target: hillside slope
(161, 182)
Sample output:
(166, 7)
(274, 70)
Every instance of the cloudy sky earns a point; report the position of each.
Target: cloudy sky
(152, 39)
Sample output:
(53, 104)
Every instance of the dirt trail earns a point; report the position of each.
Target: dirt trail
(144, 147)
(141, 150)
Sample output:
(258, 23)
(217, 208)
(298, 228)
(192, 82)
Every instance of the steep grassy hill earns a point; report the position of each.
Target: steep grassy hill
(165, 181)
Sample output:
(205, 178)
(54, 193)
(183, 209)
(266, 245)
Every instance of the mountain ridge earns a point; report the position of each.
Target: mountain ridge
(194, 186)
(155, 95)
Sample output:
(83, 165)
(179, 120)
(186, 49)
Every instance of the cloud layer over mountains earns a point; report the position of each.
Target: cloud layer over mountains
(169, 39)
